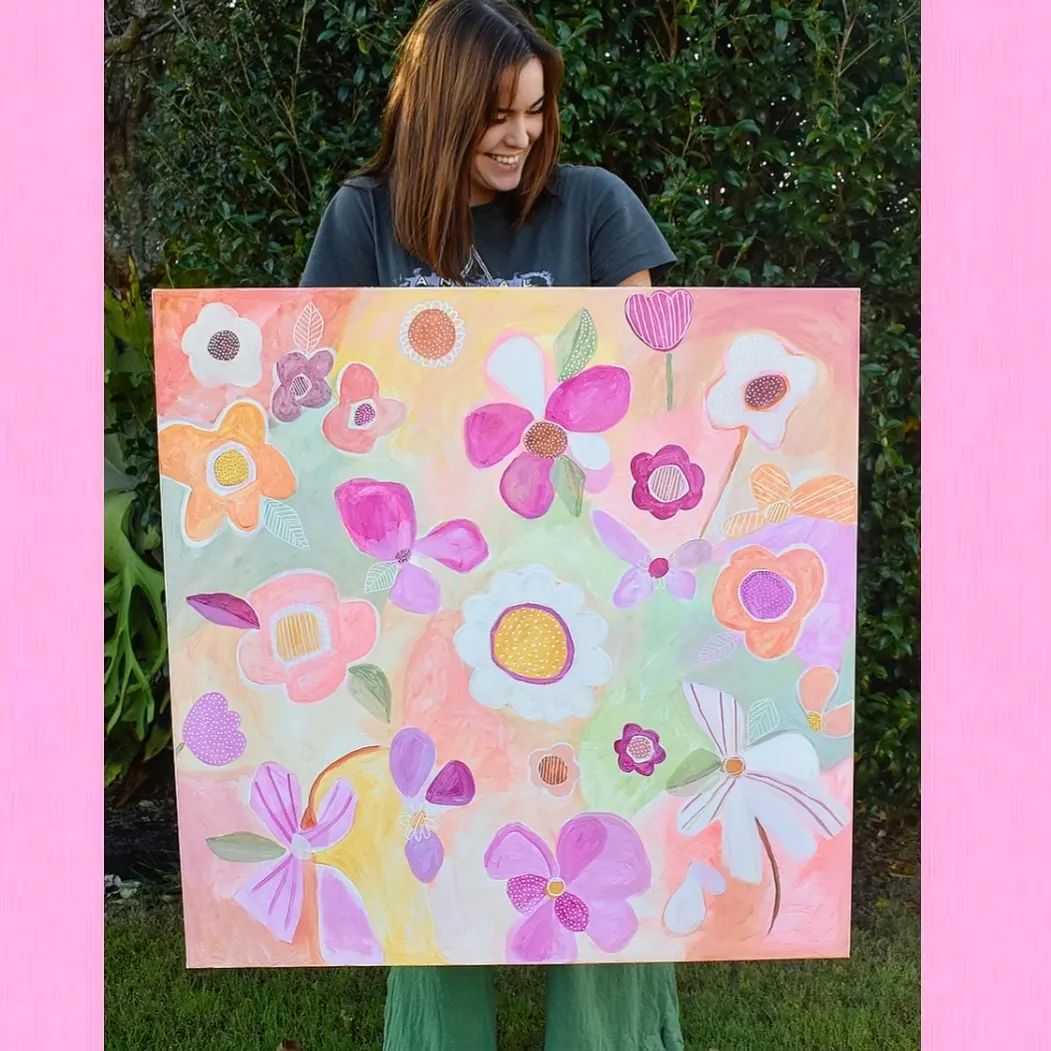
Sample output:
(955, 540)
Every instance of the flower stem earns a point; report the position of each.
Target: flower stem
(669, 381)
(179, 747)
(777, 875)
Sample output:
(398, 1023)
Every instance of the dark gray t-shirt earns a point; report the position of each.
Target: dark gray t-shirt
(592, 230)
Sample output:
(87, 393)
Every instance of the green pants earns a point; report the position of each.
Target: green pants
(605, 1007)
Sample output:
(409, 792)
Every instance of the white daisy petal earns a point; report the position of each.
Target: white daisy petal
(517, 364)
(591, 451)
(686, 908)
(781, 819)
(705, 807)
(224, 348)
(811, 802)
(719, 715)
(784, 754)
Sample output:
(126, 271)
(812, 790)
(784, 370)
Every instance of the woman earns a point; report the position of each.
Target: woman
(466, 190)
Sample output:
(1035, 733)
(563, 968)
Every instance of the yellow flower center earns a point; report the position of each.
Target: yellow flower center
(532, 644)
(297, 635)
(555, 888)
(418, 820)
(814, 720)
(231, 468)
(734, 766)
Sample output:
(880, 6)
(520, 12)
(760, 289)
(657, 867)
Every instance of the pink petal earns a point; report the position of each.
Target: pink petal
(526, 892)
(344, 930)
(540, 938)
(412, 757)
(526, 485)
(681, 585)
(276, 798)
(620, 539)
(453, 785)
(601, 857)
(611, 924)
(591, 401)
(275, 898)
(335, 816)
(416, 590)
(494, 431)
(379, 516)
(425, 856)
(660, 318)
(357, 382)
(290, 366)
(319, 364)
(389, 414)
(284, 406)
(571, 912)
(633, 589)
(227, 610)
(518, 851)
(838, 722)
(458, 545)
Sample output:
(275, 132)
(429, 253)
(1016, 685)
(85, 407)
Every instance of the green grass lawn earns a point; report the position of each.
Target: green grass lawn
(866, 1003)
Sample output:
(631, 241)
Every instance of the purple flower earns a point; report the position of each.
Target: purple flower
(666, 482)
(412, 759)
(599, 862)
(638, 750)
(301, 383)
(381, 520)
(275, 897)
(637, 584)
(212, 732)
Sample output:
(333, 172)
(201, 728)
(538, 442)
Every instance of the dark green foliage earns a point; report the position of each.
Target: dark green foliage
(775, 144)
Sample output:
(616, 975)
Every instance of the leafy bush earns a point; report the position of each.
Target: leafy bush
(775, 144)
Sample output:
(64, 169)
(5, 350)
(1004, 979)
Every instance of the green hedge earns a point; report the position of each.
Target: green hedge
(775, 145)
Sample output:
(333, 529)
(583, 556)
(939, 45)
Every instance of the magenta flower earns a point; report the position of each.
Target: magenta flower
(638, 750)
(638, 583)
(275, 897)
(381, 520)
(544, 428)
(301, 383)
(599, 863)
(666, 482)
(412, 758)
(660, 318)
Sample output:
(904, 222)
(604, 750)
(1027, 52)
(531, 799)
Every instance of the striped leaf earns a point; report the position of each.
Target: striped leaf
(282, 521)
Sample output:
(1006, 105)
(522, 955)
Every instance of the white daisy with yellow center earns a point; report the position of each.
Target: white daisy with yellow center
(533, 646)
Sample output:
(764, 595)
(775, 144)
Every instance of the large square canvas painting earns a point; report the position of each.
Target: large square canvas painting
(510, 625)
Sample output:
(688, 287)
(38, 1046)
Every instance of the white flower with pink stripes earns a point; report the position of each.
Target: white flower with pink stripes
(760, 791)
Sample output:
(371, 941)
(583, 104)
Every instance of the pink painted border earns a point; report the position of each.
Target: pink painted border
(51, 526)
(986, 521)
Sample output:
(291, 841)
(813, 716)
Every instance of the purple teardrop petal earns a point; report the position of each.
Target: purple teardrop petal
(453, 785)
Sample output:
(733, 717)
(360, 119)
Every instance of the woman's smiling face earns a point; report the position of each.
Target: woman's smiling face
(501, 152)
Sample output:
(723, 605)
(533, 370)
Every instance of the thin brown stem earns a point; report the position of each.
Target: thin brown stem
(777, 874)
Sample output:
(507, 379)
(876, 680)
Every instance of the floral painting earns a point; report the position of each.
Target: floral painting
(510, 629)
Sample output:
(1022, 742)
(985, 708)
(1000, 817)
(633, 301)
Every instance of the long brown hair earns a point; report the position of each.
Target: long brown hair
(444, 92)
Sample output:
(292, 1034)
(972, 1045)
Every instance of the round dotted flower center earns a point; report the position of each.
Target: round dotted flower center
(814, 721)
(402, 556)
(231, 468)
(553, 770)
(734, 766)
(668, 484)
(546, 439)
(556, 888)
(224, 345)
(432, 334)
(364, 414)
(766, 595)
(764, 392)
(640, 748)
(658, 568)
(532, 644)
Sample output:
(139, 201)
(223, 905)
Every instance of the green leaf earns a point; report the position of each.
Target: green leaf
(370, 687)
(569, 484)
(699, 763)
(244, 846)
(780, 29)
(575, 345)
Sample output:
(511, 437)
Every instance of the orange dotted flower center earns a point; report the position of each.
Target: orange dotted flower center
(546, 439)
(432, 334)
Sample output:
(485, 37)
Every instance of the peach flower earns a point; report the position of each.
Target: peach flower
(307, 637)
(228, 469)
(554, 770)
(362, 415)
(768, 596)
(814, 690)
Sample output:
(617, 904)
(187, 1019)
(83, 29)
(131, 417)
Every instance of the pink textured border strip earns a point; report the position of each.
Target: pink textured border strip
(986, 523)
(51, 526)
